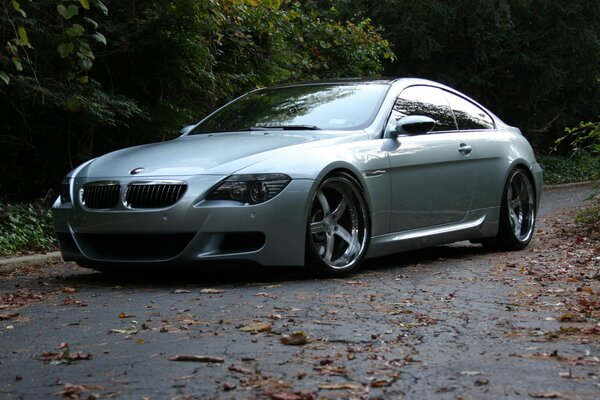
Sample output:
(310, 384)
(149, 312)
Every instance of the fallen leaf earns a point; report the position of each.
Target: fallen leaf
(124, 315)
(71, 391)
(8, 316)
(470, 373)
(548, 395)
(265, 294)
(70, 290)
(382, 382)
(237, 368)
(331, 370)
(256, 327)
(569, 317)
(343, 386)
(130, 330)
(291, 395)
(191, 358)
(69, 301)
(211, 291)
(595, 330)
(295, 339)
(65, 357)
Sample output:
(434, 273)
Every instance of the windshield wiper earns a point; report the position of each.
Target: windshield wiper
(287, 127)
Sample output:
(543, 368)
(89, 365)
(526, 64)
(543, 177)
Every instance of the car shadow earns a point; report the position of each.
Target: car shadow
(455, 251)
(244, 273)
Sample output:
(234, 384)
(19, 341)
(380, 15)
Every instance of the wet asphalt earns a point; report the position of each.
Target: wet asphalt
(438, 323)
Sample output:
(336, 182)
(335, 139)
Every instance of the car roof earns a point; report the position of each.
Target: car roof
(350, 81)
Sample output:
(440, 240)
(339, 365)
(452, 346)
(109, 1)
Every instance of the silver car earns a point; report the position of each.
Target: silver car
(322, 174)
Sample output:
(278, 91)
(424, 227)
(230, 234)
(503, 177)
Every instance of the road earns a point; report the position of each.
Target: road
(440, 323)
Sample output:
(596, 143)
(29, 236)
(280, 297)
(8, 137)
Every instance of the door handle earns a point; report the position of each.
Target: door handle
(465, 149)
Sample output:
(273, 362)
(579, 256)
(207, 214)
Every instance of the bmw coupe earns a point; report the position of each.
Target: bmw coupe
(322, 174)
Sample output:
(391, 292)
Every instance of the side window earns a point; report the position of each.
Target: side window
(468, 115)
(427, 101)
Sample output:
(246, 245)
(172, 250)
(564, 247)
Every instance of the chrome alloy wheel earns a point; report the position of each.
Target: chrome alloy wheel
(338, 228)
(520, 206)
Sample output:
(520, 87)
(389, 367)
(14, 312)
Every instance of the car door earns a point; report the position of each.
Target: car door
(432, 179)
(489, 148)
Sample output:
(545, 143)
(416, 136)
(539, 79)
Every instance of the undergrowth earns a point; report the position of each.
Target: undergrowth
(576, 168)
(24, 228)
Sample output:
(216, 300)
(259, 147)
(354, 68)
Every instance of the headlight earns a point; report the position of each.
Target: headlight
(65, 191)
(250, 189)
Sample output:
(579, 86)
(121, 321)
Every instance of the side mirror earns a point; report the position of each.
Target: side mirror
(414, 125)
(186, 129)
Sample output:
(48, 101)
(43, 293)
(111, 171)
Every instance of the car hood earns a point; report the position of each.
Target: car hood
(219, 154)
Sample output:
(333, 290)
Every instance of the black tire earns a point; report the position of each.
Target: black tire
(517, 213)
(339, 227)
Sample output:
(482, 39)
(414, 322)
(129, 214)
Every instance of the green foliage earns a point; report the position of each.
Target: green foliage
(25, 228)
(577, 168)
(103, 81)
(323, 45)
(585, 137)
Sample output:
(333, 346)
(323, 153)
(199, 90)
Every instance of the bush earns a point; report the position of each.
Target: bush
(25, 228)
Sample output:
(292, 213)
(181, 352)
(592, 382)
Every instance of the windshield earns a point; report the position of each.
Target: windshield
(320, 106)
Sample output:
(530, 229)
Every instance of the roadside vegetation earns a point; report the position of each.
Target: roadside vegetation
(80, 78)
(24, 228)
(569, 169)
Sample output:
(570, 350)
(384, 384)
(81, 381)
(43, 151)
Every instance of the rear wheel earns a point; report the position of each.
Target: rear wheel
(338, 229)
(517, 213)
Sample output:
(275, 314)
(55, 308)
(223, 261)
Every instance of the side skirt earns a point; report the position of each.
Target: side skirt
(477, 224)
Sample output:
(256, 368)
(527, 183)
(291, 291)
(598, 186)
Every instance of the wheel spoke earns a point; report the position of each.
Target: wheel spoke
(340, 209)
(515, 222)
(351, 240)
(317, 227)
(344, 235)
(324, 203)
(329, 247)
(515, 204)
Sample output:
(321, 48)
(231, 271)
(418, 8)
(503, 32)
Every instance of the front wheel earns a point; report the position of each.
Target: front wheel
(338, 228)
(517, 213)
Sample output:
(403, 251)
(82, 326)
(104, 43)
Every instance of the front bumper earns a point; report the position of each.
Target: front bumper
(190, 231)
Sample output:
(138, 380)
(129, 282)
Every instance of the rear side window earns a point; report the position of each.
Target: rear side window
(427, 101)
(468, 115)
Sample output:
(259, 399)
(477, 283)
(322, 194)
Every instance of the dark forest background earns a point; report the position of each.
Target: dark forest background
(79, 78)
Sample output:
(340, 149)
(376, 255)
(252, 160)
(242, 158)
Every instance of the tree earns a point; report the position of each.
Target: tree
(112, 75)
(536, 63)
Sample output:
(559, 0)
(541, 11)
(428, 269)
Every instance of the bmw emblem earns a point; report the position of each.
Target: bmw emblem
(136, 171)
